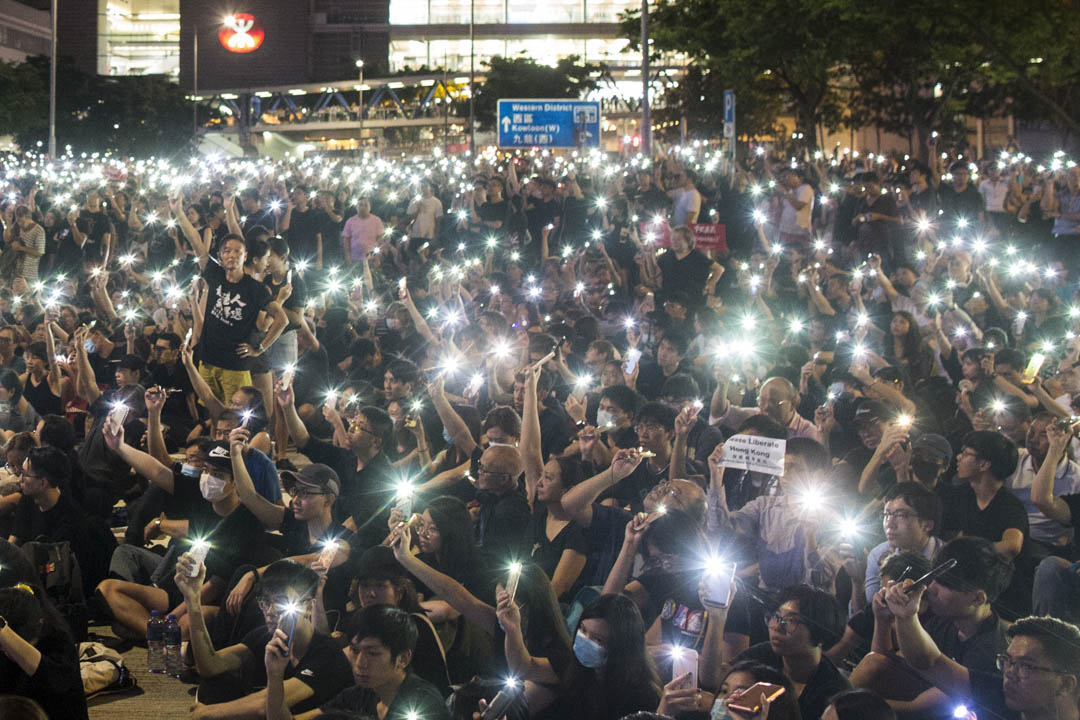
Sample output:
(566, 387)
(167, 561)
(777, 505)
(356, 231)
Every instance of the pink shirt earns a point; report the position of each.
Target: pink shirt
(361, 235)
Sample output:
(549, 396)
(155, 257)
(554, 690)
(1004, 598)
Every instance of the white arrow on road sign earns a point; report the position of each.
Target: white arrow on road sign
(506, 124)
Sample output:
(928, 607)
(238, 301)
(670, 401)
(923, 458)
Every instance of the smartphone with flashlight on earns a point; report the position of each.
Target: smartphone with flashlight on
(684, 661)
(1032, 369)
(632, 357)
(719, 584)
(749, 701)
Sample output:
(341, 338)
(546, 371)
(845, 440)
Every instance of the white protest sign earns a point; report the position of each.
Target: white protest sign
(759, 454)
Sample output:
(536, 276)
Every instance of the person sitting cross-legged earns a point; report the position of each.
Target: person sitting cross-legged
(314, 671)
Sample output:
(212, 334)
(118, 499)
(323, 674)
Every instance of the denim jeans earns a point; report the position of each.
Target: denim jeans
(1057, 589)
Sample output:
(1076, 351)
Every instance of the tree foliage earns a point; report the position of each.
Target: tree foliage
(526, 78)
(908, 66)
(138, 115)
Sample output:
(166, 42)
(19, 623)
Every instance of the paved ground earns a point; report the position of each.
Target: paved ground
(158, 697)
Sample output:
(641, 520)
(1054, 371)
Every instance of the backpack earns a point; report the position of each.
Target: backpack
(103, 671)
(58, 570)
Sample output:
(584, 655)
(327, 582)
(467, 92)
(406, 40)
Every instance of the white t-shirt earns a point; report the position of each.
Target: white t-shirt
(797, 222)
(994, 192)
(427, 211)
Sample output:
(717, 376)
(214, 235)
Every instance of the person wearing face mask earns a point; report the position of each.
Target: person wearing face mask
(615, 413)
(16, 413)
(203, 504)
(312, 670)
(609, 674)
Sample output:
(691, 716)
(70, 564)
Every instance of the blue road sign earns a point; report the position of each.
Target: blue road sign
(549, 123)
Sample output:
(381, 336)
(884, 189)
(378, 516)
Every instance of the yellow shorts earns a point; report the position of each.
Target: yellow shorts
(223, 383)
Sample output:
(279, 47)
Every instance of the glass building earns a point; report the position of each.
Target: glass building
(435, 33)
(138, 37)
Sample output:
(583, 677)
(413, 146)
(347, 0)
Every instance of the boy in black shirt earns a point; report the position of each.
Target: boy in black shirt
(381, 643)
(313, 668)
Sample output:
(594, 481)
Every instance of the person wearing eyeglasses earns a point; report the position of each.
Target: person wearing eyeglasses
(366, 476)
(314, 670)
(1040, 668)
(8, 359)
(911, 518)
(960, 621)
(807, 622)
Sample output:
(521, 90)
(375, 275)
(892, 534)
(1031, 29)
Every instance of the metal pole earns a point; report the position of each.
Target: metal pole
(195, 82)
(360, 66)
(472, 77)
(52, 85)
(646, 123)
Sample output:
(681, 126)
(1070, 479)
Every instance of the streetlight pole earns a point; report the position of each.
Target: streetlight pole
(52, 84)
(646, 123)
(195, 82)
(472, 77)
(360, 67)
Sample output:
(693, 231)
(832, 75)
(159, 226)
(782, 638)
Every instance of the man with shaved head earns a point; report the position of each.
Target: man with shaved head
(503, 515)
(778, 398)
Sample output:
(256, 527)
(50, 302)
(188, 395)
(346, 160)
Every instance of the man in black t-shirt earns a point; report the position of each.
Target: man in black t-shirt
(985, 508)
(1039, 667)
(382, 639)
(368, 483)
(962, 205)
(1057, 580)
(303, 226)
(312, 669)
(235, 306)
(179, 413)
(685, 269)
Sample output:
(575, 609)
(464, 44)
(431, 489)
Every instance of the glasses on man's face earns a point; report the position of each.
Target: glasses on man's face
(900, 515)
(482, 470)
(662, 561)
(273, 607)
(786, 623)
(159, 349)
(1023, 668)
(646, 428)
(5, 340)
(357, 427)
(15, 470)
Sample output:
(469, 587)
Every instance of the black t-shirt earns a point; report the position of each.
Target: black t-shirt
(503, 519)
(63, 521)
(556, 431)
(826, 682)
(366, 495)
(324, 667)
(673, 597)
(988, 697)
(687, 275)
(56, 685)
(296, 299)
(978, 652)
(233, 538)
(415, 697)
(955, 205)
(304, 227)
(231, 312)
(547, 552)
(1004, 512)
(176, 405)
(312, 376)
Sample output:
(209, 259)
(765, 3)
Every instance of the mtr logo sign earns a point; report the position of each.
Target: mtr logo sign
(241, 33)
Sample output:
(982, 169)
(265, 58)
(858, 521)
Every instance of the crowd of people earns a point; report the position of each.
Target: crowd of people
(466, 436)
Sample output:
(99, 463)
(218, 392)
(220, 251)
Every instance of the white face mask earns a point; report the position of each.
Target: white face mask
(211, 487)
(605, 418)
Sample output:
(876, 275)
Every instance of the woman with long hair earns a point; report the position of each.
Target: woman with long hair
(38, 655)
(906, 349)
(609, 674)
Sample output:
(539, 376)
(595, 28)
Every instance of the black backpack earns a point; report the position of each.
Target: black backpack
(58, 570)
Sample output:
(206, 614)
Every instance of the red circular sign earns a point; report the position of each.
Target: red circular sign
(241, 33)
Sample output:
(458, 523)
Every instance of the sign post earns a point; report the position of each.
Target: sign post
(549, 123)
(729, 121)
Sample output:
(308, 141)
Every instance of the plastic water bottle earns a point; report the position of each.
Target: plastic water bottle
(174, 661)
(155, 643)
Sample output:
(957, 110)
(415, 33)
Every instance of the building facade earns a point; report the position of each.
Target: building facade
(24, 31)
